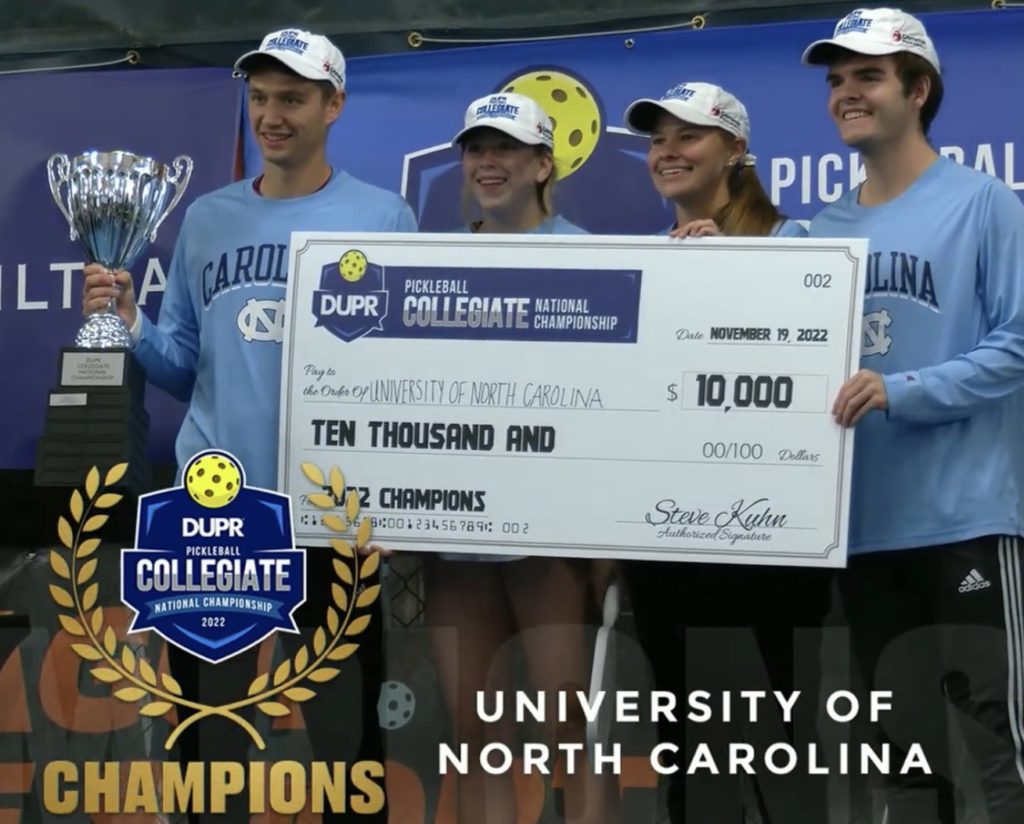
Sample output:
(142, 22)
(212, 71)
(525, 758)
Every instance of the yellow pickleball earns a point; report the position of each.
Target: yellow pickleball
(213, 480)
(352, 265)
(573, 112)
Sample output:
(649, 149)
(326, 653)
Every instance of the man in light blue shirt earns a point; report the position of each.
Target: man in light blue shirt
(933, 588)
(217, 345)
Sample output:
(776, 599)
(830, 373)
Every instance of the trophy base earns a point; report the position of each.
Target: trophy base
(95, 418)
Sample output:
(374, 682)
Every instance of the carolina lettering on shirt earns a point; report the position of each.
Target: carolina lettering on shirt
(266, 263)
(902, 275)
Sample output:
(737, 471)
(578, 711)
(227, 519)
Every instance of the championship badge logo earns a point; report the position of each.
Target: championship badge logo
(351, 301)
(214, 569)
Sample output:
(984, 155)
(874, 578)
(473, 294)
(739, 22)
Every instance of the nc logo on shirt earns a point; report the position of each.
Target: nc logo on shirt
(261, 320)
(214, 569)
(351, 301)
(876, 338)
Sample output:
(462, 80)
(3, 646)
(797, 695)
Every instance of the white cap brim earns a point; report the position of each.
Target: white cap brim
(293, 61)
(643, 114)
(527, 136)
(819, 51)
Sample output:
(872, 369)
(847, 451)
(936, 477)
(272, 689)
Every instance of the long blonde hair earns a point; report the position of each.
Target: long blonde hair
(749, 212)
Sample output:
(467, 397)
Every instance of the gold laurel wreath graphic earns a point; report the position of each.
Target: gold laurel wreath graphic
(116, 663)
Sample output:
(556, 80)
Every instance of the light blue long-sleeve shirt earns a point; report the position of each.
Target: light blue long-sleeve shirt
(944, 325)
(217, 344)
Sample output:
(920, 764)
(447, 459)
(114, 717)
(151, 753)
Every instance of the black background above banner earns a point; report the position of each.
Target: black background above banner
(64, 33)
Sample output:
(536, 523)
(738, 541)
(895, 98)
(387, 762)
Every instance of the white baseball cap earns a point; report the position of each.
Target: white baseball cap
(516, 115)
(703, 104)
(876, 32)
(309, 55)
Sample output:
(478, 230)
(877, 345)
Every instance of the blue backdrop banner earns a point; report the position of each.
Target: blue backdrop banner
(161, 114)
(402, 111)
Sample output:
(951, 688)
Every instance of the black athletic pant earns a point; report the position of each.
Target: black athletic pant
(341, 722)
(720, 627)
(942, 627)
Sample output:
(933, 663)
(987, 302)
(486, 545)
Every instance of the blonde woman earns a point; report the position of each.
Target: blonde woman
(476, 604)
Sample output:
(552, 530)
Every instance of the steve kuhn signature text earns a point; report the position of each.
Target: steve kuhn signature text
(742, 520)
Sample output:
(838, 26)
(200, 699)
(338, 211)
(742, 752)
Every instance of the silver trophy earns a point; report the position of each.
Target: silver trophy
(114, 204)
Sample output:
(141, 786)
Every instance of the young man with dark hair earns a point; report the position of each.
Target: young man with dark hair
(217, 346)
(932, 592)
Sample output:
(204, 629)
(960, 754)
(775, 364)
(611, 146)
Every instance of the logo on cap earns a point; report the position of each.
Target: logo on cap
(728, 118)
(497, 106)
(681, 92)
(910, 40)
(287, 41)
(337, 76)
(853, 24)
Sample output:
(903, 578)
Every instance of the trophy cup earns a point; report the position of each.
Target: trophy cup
(114, 203)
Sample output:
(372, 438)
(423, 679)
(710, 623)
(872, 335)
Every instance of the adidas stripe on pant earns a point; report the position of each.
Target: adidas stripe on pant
(943, 628)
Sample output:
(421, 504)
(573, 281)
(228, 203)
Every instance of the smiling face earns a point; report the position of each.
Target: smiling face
(691, 163)
(290, 117)
(869, 103)
(502, 174)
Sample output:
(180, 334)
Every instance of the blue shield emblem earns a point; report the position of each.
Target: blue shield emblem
(351, 301)
(214, 569)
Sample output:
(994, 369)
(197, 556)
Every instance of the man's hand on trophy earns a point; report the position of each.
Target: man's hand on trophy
(101, 285)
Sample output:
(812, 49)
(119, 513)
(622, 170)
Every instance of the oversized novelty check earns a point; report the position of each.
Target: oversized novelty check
(576, 395)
